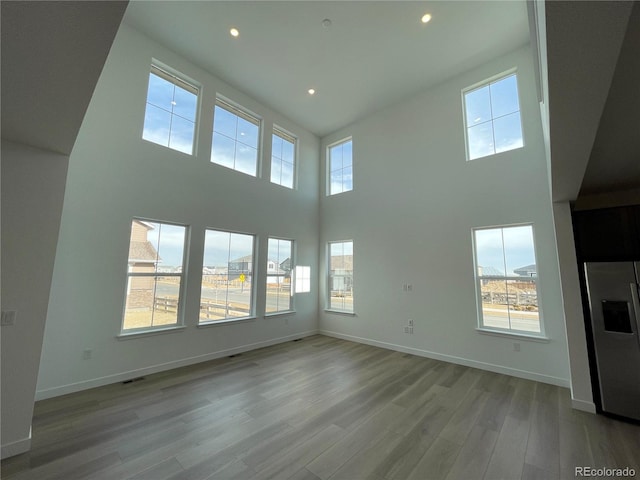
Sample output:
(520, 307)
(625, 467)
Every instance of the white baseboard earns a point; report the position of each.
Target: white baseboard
(121, 377)
(561, 382)
(16, 448)
(583, 405)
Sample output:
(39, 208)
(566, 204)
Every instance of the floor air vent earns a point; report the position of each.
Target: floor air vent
(139, 379)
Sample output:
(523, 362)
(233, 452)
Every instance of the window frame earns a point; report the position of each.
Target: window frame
(245, 114)
(508, 332)
(487, 83)
(330, 277)
(291, 308)
(252, 295)
(182, 81)
(288, 137)
(328, 157)
(180, 305)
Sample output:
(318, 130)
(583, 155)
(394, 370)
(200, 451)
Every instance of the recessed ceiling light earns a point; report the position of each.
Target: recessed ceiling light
(234, 32)
(326, 23)
(311, 91)
(426, 18)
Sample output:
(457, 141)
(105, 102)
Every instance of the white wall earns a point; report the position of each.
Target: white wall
(113, 176)
(581, 391)
(414, 204)
(33, 183)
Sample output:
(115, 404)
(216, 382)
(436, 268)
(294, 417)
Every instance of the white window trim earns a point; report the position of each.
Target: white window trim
(328, 166)
(252, 313)
(292, 293)
(480, 327)
(175, 77)
(245, 114)
(169, 74)
(284, 134)
(129, 332)
(328, 281)
(476, 86)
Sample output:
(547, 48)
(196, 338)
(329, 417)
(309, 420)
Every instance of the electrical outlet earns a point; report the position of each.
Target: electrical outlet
(516, 347)
(409, 287)
(410, 322)
(87, 354)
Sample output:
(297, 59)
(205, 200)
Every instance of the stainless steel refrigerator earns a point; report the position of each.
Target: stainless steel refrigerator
(613, 289)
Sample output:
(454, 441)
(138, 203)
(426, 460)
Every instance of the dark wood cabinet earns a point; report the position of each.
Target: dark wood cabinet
(608, 234)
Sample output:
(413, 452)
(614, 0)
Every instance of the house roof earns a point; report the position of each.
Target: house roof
(526, 270)
(246, 258)
(146, 225)
(490, 271)
(143, 252)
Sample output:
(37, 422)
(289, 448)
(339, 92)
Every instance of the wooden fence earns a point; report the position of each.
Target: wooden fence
(209, 309)
(512, 298)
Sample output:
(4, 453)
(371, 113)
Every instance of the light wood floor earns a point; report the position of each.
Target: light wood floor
(321, 408)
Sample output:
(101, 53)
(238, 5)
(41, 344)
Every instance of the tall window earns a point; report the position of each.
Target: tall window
(492, 117)
(283, 158)
(506, 279)
(341, 167)
(154, 276)
(279, 261)
(227, 276)
(170, 116)
(340, 268)
(236, 135)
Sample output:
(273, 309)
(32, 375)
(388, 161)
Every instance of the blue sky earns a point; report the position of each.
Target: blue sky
(505, 249)
(170, 115)
(341, 171)
(222, 247)
(493, 118)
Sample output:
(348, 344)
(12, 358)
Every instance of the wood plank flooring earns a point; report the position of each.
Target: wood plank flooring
(321, 408)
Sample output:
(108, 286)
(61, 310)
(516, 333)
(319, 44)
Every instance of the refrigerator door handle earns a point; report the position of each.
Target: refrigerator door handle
(636, 308)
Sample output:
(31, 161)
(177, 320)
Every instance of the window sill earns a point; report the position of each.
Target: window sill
(279, 314)
(148, 333)
(220, 323)
(340, 312)
(519, 335)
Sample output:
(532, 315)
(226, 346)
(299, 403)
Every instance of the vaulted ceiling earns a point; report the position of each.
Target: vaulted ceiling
(371, 55)
(366, 55)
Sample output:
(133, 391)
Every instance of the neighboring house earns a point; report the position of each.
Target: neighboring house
(528, 271)
(240, 266)
(488, 272)
(278, 274)
(143, 258)
(286, 265)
